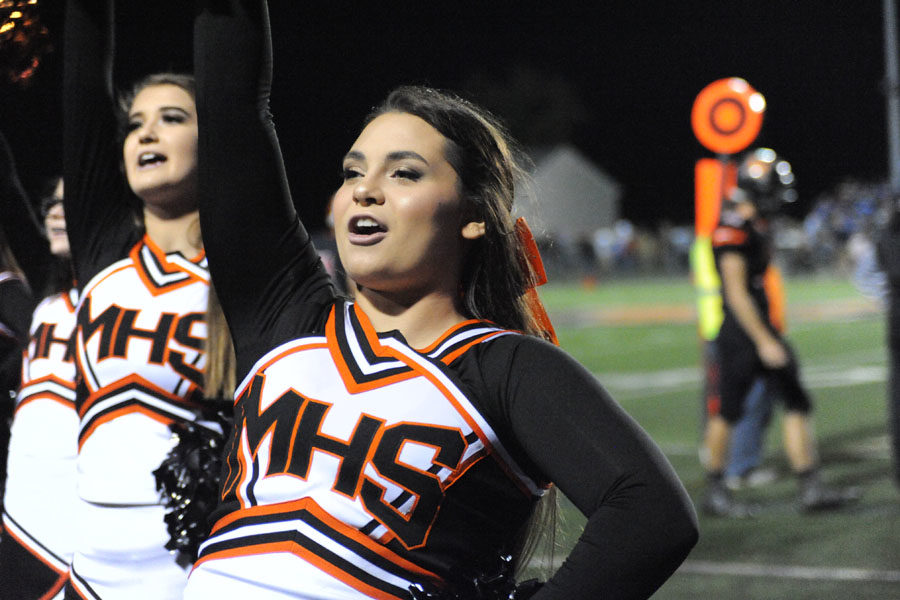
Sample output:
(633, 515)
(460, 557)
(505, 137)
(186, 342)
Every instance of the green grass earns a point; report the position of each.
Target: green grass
(629, 292)
(653, 369)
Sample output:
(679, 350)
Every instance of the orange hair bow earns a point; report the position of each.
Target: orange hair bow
(533, 255)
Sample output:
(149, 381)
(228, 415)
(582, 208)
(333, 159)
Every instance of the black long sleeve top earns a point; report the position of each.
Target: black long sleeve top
(552, 415)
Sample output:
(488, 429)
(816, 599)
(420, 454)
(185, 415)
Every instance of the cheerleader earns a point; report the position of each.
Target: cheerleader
(40, 501)
(397, 445)
(131, 210)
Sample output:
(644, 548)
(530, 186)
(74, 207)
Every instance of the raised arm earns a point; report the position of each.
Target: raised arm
(259, 253)
(20, 225)
(97, 198)
(641, 523)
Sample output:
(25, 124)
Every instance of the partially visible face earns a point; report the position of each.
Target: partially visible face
(55, 225)
(398, 215)
(160, 149)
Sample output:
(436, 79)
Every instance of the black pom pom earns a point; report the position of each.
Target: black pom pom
(188, 481)
(497, 584)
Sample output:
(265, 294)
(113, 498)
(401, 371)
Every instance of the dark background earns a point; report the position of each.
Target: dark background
(617, 81)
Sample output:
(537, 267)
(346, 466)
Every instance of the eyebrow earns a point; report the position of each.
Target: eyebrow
(396, 155)
(161, 109)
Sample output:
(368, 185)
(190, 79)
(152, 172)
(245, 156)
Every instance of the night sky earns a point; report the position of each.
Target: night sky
(617, 82)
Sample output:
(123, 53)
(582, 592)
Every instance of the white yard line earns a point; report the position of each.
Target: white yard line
(737, 569)
(702, 567)
(814, 377)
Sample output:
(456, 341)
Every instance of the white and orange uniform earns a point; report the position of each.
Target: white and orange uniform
(41, 498)
(353, 457)
(358, 465)
(138, 344)
(140, 358)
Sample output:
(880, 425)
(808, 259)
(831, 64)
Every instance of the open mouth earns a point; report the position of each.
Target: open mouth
(364, 229)
(150, 159)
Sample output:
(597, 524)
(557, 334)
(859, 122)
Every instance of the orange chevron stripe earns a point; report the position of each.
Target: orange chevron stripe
(309, 505)
(70, 404)
(126, 410)
(353, 386)
(52, 379)
(135, 255)
(8, 531)
(308, 556)
(93, 397)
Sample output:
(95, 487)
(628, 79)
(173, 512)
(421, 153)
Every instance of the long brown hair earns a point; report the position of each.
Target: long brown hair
(219, 380)
(495, 271)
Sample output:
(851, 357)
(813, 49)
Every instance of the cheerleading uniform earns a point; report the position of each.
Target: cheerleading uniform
(40, 498)
(138, 343)
(739, 363)
(359, 465)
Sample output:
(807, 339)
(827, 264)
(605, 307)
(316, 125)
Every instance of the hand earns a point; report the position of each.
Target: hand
(772, 353)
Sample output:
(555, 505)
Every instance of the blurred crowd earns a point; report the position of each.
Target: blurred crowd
(837, 235)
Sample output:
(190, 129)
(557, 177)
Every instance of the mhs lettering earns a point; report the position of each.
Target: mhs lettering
(44, 339)
(116, 328)
(295, 423)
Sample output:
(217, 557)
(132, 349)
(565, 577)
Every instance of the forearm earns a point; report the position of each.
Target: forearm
(242, 180)
(639, 530)
(88, 36)
(250, 228)
(96, 194)
(641, 523)
(627, 554)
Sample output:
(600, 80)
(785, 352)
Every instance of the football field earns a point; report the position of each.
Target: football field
(640, 338)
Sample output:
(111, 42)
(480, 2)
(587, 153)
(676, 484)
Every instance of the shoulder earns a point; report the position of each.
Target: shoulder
(515, 366)
(520, 348)
(487, 344)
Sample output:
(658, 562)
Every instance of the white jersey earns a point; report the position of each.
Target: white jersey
(139, 347)
(41, 495)
(346, 447)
